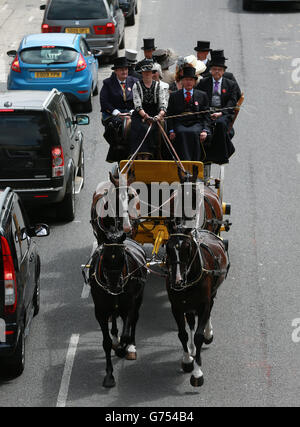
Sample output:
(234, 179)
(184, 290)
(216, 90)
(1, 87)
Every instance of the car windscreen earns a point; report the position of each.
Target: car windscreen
(76, 10)
(26, 131)
(48, 55)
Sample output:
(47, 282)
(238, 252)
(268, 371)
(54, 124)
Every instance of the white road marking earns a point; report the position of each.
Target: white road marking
(298, 157)
(5, 6)
(86, 288)
(291, 111)
(65, 382)
(31, 18)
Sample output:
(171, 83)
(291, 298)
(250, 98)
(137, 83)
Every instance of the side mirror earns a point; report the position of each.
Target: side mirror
(42, 7)
(39, 230)
(11, 53)
(97, 52)
(82, 119)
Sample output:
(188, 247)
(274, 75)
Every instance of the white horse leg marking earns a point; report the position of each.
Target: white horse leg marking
(131, 348)
(178, 274)
(115, 341)
(187, 359)
(191, 343)
(197, 373)
(208, 331)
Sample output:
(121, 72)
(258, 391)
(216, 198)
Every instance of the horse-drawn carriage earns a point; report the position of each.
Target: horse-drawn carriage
(172, 204)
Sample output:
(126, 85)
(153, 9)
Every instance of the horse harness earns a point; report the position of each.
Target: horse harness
(216, 273)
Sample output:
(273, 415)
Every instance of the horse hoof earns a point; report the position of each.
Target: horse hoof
(209, 340)
(197, 382)
(187, 367)
(131, 355)
(120, 352)
(109, 382)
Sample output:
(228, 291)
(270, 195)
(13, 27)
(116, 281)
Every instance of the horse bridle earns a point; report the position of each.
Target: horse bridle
(104, 285)
(216, 273)
(197, 252)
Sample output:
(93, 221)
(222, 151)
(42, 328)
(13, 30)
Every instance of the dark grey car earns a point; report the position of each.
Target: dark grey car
(250, 4)
(102, 21)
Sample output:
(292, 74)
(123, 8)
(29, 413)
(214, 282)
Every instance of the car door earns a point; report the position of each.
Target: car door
(26, 252)
(75, 136)
(91, 61)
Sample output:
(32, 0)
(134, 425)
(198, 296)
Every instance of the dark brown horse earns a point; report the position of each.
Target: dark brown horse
(117, 277)
(197, 264)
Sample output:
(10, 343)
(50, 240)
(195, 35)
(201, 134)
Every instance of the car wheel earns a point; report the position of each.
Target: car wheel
(67, 206)
(87, 106)
(122, 44)
(14, 365)
(81, 167)
(248, 5)
(136, 8)
(131, 19)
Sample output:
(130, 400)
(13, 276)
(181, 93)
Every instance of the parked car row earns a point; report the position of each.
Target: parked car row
(75, 35)
(41, 146)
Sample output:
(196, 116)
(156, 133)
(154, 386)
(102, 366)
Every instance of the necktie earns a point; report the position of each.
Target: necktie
(216, 87)
(188, 96)
(123, 86)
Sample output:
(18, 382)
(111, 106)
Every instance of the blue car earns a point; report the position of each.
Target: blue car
(61, 61)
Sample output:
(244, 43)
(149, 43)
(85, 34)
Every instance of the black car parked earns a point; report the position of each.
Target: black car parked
(130, 9)
(41, 149)
(19, 280)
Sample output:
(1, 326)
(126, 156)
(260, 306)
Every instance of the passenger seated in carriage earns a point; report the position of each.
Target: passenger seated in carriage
(116, 99)
(189, 132)
(150, 101)
(222, 94)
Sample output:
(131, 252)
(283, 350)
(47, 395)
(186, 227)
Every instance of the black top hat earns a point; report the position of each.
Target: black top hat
(218, 62)
(148, 44)
(120, 62)
(202, 46)
(189, 72)
(217, 54)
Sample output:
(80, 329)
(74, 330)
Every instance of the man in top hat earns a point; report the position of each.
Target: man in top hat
(191, 131)
(220, 54)
(203, 49)
(116, 100)
(131, 55)
(222, 94)
(148, 48)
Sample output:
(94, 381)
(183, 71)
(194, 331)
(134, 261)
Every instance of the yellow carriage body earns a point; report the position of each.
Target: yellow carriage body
(153, 229)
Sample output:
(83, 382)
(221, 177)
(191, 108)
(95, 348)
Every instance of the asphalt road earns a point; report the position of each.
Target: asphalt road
(253, 360)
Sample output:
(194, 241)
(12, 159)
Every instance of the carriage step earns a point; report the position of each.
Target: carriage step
(78, 184)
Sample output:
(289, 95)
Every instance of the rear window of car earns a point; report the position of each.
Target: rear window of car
(48, 55)
(30, 131)
(77, 10)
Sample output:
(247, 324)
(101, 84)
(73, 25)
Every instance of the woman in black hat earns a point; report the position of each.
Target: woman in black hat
(189, 132)
(150, 101)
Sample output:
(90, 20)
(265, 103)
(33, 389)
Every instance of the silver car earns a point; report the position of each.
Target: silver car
(102, 21)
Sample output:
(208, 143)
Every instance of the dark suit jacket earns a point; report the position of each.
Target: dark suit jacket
(227, 75)
(111, 95)
(229, 92)
(176, 106)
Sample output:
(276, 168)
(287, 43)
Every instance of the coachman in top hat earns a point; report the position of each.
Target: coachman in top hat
(116, 99)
